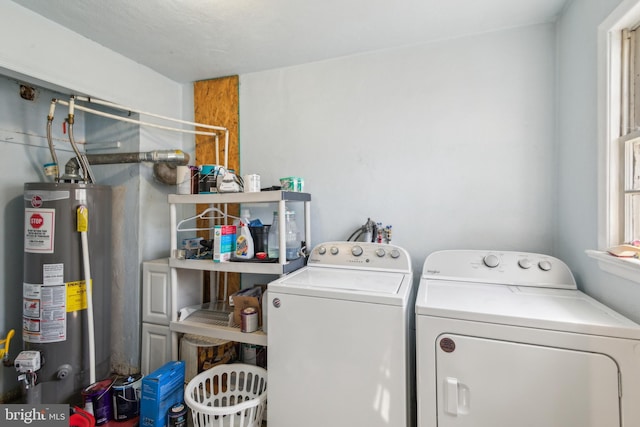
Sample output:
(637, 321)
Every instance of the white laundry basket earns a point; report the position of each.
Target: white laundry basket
(233, 395)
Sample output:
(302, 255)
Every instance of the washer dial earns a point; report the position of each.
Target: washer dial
(491, 261)
(544, 265)
(524, 263)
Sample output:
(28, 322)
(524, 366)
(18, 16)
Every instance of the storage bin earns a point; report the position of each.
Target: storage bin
(228, 395)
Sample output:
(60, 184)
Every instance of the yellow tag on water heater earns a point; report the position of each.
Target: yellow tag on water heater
(83, 218)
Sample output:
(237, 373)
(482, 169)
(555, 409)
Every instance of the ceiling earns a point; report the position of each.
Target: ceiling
(190, 40)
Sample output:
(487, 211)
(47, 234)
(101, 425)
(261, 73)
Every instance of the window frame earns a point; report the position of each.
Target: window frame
(611, 159)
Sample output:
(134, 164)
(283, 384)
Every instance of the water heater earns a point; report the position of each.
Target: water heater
(54, 287)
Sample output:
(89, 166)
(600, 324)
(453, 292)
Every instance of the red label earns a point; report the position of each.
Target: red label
(36, 220)
(447, 345)
(36, 201)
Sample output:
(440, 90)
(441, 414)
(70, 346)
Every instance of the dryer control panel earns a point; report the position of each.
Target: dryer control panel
(370, 256)
(500, 267)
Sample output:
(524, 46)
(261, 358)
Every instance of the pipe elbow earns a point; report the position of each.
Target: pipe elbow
(166, 173)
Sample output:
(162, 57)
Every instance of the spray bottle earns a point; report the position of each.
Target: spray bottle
(244, 241)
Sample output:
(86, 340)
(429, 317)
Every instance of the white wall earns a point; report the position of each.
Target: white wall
(452, 143)
(457, 144)
(577, 224)
(43, 53)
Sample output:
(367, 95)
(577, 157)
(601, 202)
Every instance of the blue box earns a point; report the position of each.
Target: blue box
(224, 242)
(161, 389)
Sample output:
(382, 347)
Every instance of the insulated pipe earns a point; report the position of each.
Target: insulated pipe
(121, 107)
(83, 225)
(140, 122)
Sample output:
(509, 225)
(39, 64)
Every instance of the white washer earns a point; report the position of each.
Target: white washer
(506, 339)
(339, 339)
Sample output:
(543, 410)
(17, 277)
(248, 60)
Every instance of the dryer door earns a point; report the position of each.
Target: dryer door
(491, 383)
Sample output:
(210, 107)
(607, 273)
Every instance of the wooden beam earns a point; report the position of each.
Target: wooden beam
(216, 102)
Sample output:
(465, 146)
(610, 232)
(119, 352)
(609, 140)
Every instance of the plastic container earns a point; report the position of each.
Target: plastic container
(260, 236)
(244, 241)
(273, 246)
(292, 183)
(292, 237)
(228, 395)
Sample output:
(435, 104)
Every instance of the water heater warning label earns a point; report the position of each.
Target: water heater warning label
(44, 314)
(76, 296)
(39, 228)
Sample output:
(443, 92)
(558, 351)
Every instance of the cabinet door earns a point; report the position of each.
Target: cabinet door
(490, 383)
(156, 291)
(157, 305)
(156, 347)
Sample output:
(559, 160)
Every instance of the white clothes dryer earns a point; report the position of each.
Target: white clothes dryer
(505, 339)
(340, 340)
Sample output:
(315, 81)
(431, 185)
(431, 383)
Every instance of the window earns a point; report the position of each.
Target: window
(627, 144)
(619, 139)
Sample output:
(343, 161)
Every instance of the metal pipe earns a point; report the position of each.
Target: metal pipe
(81, 160)
(54, 156)
(164, 168)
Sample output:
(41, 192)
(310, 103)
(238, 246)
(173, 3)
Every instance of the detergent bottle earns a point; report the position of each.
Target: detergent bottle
(244, 241)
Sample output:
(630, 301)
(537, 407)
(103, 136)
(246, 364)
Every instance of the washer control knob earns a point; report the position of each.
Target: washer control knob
(544, 265)
(395, 253)
(322, 250)
(491, 261)
(334, 250)
(524, 263)
(356, 250)
(380, 252)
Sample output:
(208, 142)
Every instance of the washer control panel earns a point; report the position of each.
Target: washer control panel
(501, 267)
(360, 254)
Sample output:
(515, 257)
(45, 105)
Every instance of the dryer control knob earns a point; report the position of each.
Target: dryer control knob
(524, 263)
(395, 253)
(334, 250)
(491, 261)
(544, 265)
(322, 250)
(380, 252)
(356, 251)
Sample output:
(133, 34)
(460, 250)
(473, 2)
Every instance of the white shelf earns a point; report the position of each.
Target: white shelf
(209, 327)
(259, 197)
(238, 266)
(219, 331)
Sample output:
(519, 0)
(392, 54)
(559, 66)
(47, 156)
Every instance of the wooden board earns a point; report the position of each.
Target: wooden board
(216, 102)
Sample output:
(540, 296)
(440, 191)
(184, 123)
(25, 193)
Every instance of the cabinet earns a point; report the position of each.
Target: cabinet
(158, 308)
(202, 320)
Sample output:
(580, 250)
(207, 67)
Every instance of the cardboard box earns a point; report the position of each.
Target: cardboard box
(240, 302)
(248, 292)
(224, 242)
(161, 389)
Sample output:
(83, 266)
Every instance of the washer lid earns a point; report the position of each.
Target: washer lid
(356, 285)
(349, 280)
(540, 308)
